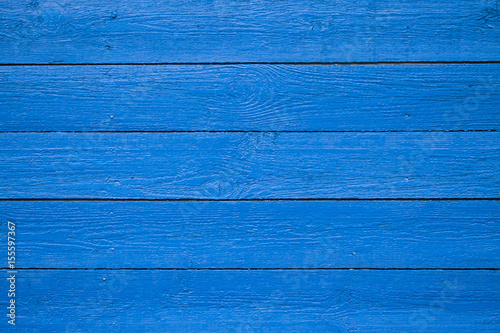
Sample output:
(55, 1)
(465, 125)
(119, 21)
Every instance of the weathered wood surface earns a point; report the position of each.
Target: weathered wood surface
(257, 301)
(278, 234)
(97, 31)
(344, 158)
(250, 165)
(250, 97)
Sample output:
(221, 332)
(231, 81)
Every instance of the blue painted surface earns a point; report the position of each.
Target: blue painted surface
(247, 234)
(250, 97)
(250, 165)
(340, 175)
(145, 31)
(258, 301)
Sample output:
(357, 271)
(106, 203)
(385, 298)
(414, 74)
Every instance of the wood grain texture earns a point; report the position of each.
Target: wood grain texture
(250, 165)
(104, 31)
(257, 301)
(250, 97)
(244, 104)
(297, 234)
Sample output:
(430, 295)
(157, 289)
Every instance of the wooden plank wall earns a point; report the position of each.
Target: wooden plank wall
(251, 166)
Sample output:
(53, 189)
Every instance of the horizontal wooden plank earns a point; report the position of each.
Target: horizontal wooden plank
(97, 31)
(256, 301)
(250, 97)
(250, 165)
(281, 234)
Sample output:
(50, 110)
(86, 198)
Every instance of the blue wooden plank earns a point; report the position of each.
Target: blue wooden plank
(257, 301)
(97, 31)
(250, 97)
(250, 165)
(280, 234)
